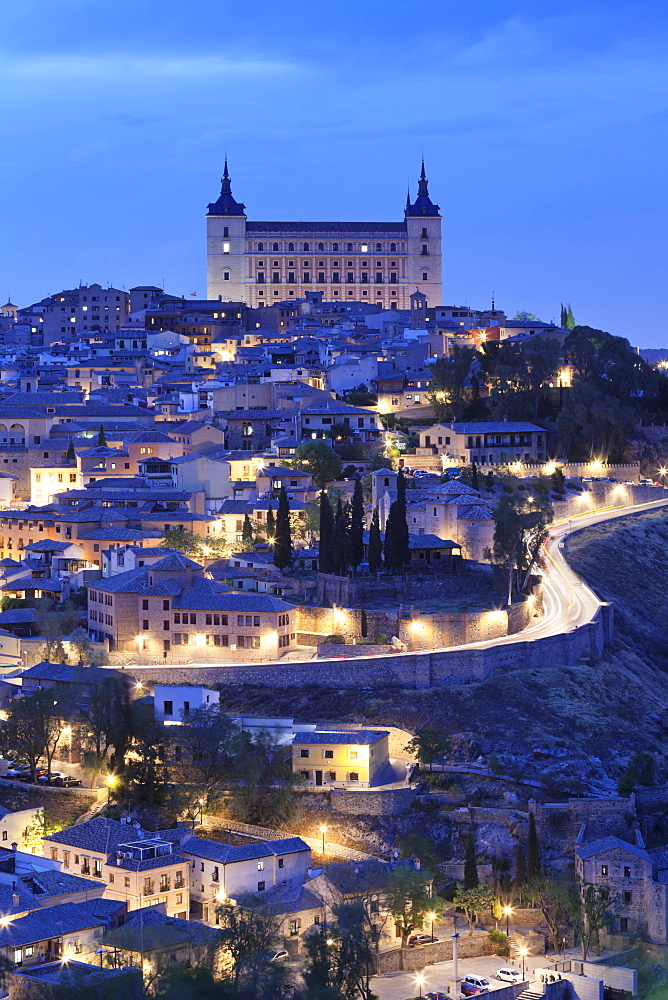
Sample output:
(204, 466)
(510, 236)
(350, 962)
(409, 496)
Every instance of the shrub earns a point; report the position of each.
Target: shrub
(380, 639)
(336, 638)
(499, 941)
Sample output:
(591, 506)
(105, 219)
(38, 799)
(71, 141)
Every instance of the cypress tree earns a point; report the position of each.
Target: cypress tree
(101, 438)
(283, 542)
(533, 850)
(489, 480)
(364, 625)
(325, 556)
(271, 523)
(520, 872)
(391, 546)
(357, 525)
(401, 523)
(341, 547)
(375, 544)
(470, 864)
(247, 532)
(474, 477)
(71, 454)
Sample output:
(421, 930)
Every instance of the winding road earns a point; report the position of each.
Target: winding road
(568, 603)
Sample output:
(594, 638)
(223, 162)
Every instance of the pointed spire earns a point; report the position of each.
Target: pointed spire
(226, 173)
(422, 183)
(226, 204)
(408, 197)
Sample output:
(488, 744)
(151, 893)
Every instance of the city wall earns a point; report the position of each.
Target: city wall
(415, 670)
(393, 802)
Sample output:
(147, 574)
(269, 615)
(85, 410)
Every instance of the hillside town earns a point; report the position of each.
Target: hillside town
(244, 539)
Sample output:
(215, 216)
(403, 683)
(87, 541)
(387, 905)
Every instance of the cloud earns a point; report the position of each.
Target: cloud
(117, 66)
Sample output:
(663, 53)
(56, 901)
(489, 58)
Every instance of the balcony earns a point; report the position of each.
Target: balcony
(179, 883)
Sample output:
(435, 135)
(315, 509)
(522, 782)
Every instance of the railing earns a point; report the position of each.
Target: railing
(149, 890)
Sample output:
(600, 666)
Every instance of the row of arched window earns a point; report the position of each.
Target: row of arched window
(336, 247)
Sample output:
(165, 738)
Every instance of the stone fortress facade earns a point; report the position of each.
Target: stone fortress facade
(263, 263)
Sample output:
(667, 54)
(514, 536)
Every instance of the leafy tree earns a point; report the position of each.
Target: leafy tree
(409, 899)
(641, 770)
(375, 555)
(364, 627)
(470, 864)
(283, 536)
(357, 525)
(248, 933)
(145, 779)
(522, 314)
(101, 438)
(318, 458)
(211, 743)
(188, 984)
(429, 744)
(271, 523)
(533, 850)
(520, 527)
(473, 902)
(326, 540)
(33, 728)
(71, 453)
(555, 901)
(354, 939)
(80, 642)
(558, 480)
(187, 542)
(591, 908)
(108, 717)
(449, 375)
(489, 480)
(262, 785)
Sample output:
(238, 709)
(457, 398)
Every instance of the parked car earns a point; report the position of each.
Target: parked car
(27, 775)
(509, 975)
(48, 779)
(17, 773)
(281, 955)
(420, 939)
(479, 981)
(468, 990)
(67, 781)
(436, 995)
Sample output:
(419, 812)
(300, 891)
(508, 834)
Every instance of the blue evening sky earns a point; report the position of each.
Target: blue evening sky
(543, 127)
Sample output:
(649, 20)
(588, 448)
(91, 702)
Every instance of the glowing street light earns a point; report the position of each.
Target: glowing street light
(507, 910)
(432, 917)
(110, 781)
(323, 831)
(419, 981)
(523, 952)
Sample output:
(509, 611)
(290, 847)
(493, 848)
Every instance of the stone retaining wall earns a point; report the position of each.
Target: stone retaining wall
(213, 822)
(414, 959)
(393, 802)
(416, 670)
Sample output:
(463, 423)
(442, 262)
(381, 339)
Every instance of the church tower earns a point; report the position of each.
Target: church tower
(423, 226)
(226, 245)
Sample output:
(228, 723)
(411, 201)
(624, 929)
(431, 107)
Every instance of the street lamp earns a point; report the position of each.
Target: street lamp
(323, 831)
(419, 980)
(507, 910)
(432, 917)
(523, 952)
(110, 782)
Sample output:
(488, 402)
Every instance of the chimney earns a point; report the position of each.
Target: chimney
(14, 846)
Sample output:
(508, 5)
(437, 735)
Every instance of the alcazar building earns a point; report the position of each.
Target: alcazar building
(264, 262)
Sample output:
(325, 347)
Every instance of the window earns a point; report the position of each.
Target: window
(144, 605)
(305, 248)
(627, 872)
(353, 754)
(281, 862)
(274, 247)
(328, 754)
(425, 276)
(260, 886)
(604, 869)
(628, 896)
(354, 776)
(260, 866)
(144, 624)
(169, 708)
(303, 753)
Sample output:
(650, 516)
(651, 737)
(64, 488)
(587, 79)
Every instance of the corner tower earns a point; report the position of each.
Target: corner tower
(423, 227)
(226, 245)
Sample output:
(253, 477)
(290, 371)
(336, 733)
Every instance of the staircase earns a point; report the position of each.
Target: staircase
(530, 995)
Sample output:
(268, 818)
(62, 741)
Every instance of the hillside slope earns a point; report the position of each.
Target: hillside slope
(577, 720)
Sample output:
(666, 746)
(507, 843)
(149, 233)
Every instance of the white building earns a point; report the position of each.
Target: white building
(173, 703)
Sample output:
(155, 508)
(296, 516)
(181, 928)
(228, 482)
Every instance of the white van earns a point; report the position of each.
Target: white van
(479, 981)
